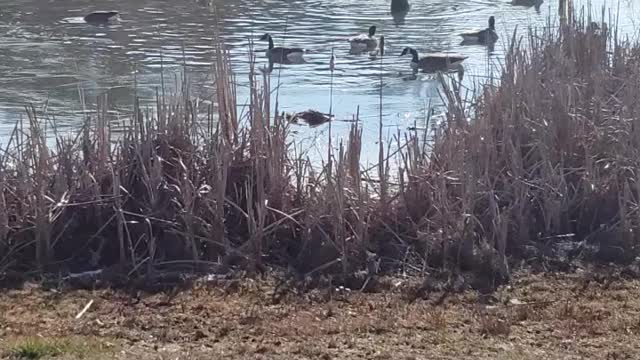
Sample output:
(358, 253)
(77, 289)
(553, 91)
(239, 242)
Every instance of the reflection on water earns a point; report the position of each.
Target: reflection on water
(399, 17)
(48, 55)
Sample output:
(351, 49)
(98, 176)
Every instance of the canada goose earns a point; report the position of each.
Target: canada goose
(486, 36)
(100, 17)
(364, 42)
(282, 54)
(400, 6)
(435, 61)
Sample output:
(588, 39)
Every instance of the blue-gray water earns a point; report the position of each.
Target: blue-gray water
(48, 54)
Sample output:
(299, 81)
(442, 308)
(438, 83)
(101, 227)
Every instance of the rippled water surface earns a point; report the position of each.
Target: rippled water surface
(48, 55)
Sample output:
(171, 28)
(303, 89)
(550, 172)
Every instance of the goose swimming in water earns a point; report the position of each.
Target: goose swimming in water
(435, 61)
(282, 55)
(486, 36)
(364, 42)
(100, 17)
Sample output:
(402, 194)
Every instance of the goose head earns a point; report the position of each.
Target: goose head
(268, 38)
(492, 23)
(408, 50)
(372, 30)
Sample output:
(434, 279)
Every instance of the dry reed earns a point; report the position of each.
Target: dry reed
(549, 158)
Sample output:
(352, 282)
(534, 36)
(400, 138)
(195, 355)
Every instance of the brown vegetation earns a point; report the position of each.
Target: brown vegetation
(540, 317)
(549, 160)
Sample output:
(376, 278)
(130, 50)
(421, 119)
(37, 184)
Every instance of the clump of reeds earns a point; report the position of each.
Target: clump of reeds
(550, 155)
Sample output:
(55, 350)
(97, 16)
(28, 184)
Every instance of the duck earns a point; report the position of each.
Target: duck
(100, 17)
(486, 36)
(364, 42)
(312, 117)
(435, 61)
(282, 55)
(400, 6)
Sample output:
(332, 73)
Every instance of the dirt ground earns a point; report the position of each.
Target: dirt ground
(536, 317)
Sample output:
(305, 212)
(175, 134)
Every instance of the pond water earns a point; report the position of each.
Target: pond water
(48, 55)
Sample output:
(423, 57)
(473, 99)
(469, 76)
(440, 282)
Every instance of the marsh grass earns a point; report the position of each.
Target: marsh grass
(550, 157)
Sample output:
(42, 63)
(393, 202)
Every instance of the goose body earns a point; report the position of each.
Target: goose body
(100, 17)
(486, 36)
(399, 6)
(282, 55)
(527, 2)
(364, 42)
(435, 61)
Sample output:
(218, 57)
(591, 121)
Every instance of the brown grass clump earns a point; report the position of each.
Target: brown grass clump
(552, 152)
(492, 324)
(550, 158)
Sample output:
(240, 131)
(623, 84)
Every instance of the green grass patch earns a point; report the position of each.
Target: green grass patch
(35, 348)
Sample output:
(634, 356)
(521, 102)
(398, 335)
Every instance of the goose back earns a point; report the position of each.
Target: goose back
(100, 17)
(282, 54)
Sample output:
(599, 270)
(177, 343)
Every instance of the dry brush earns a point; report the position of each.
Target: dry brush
(549, 158)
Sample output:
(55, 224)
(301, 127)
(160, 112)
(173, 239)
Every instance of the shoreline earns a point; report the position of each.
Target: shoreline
(553, 316)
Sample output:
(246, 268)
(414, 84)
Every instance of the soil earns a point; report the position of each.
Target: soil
(550, 316)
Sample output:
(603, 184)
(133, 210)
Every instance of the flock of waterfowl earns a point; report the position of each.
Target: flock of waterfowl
(363, 43)
(368, 42)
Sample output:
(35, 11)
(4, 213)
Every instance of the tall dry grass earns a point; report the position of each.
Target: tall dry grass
(549, 158)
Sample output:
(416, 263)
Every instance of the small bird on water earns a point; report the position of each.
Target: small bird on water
(100, 17)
